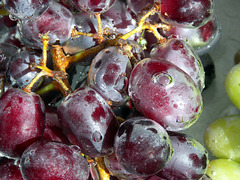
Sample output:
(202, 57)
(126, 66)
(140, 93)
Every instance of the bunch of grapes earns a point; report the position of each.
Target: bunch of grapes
(100, 89)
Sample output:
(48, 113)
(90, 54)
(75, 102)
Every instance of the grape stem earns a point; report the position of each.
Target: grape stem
(142, 25)
(102, 170)
(61, 61)
(60, 65)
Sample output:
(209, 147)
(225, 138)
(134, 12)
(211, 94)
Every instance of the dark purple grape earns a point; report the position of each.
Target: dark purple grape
(202, 39)
(189, 159)
(88, 122)
(142, 146)
(53, 160)
(24, 9)
(22, 120)
(9, 169)
(57, 20)
(21, 69)
(109, 73)
(180, 53)
(165, 93)
(192, 13)
(93, 6)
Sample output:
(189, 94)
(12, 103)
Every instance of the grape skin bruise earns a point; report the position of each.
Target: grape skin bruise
(165, 93)
(88, 122)
(109, 73)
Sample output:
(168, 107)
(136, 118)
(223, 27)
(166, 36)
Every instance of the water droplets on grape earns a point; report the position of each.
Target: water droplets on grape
(97, 137)
(162, 78)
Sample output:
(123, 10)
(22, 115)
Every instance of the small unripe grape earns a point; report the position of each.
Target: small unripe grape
(224, 169)
(232, 85)
(222, 137)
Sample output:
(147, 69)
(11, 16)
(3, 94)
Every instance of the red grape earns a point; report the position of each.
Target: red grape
(189, 159)
(191, 13)
(57, 20)
(53, 160)
(181, 54)
(142, 146)
(88, 122)
(22, 120)
(165, 93)
(109, 73)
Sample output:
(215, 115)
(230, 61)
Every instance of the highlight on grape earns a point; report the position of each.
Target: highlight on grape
(100, 89)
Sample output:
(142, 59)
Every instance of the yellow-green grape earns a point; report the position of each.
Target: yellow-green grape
(222, 138)
(232, 85)
(223, 169)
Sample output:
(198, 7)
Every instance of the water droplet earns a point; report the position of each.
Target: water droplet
(13, 17)
(97, 137)
(162, 79)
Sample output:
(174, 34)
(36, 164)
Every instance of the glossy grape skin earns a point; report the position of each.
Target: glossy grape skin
(57, 20)
(142, 146)
(53, 160)
(189, 159)
(232, 87)
(193, 13)
(88, 122)
(222, 137)
(109, 73)
(223, 169)
(121, 18)
(203, 39)
(6, 52)
(9, 169)
(21, 69)
(93, 6)
(163, 92)
(22, 121)
(26, 10)
(182, 55)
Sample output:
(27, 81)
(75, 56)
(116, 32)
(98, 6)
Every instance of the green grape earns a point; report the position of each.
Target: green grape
(222, 138)
(232, 85)
(224, 169)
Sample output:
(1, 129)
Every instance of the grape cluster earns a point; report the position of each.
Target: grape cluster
(99, 89)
